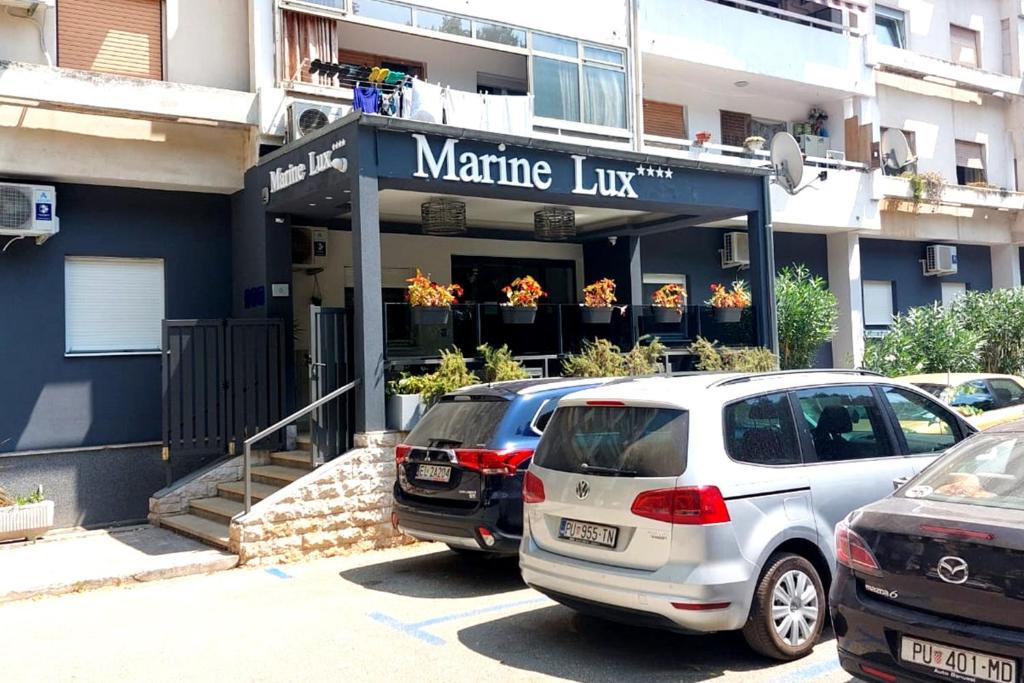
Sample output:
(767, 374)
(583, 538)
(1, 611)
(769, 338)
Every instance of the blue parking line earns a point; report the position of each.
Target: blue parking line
(814, 671)
(274, 571)
(417, 629)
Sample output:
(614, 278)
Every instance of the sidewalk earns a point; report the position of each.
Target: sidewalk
(92, 559)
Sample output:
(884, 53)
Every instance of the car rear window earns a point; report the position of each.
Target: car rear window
(615, 441)
(459, 424)
(987, 469)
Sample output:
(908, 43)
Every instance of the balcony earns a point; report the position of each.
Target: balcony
(939, 72)
(740, 38)
(896, 194)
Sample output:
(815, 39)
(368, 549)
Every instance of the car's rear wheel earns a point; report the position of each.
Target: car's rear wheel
(789, 608)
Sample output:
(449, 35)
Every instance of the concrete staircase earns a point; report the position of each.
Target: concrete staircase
(207, 519)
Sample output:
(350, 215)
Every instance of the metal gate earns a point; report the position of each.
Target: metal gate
(222, 380)
(328, 370)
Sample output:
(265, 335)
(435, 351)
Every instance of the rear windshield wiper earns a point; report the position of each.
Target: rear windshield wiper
(587, 468)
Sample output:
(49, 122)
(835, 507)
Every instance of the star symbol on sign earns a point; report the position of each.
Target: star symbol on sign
(660, 173)
(640, 170)
(668, 173)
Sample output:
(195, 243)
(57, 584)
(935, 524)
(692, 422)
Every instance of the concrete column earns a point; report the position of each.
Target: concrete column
(845, 282)
(636, 283)
(762, 273)
(1005, 266)
(368, 316)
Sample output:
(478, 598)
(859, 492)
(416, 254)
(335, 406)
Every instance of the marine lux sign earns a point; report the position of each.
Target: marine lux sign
(314, 164)
(446, 162)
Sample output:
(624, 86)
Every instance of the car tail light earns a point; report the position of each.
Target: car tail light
(605, 403)
(852, 551)
(685, 505)
(493, 462)
(533, 488)
(402, 452)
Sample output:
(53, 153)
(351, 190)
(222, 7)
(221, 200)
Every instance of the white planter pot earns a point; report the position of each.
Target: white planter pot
(404, 411)
(26, 521)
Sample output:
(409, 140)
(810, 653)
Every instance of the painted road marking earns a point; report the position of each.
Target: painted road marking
(274, 571)
(417, 630)
(813, 671)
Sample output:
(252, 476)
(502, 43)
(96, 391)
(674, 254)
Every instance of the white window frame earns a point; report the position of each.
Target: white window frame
(951, 291)
(160, 307)
(898, 16)
(877, 317)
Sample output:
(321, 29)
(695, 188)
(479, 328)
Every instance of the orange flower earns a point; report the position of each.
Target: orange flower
(600, 294)
(523, 292)
(737, 297)
(669, 296)
(423, 291)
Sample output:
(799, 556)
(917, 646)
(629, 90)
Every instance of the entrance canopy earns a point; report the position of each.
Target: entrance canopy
(371, 174)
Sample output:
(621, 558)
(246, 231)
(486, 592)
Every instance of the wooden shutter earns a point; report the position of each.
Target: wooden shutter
(735, 127)
(970, 155)
(662, 118)
(113, 36)
(963, 46)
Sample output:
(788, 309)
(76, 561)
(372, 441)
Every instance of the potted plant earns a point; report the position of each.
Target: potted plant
(430, 301)
(598, 301)
(729, 303)
(410, 396)
(521, 307)
(754, 143)
(668, 303)
(702, 138)
(27, 517)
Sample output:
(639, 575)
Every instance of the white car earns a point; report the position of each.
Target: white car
(708, 502)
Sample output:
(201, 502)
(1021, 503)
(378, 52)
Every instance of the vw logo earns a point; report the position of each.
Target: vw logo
(953, 570)
(582, 490)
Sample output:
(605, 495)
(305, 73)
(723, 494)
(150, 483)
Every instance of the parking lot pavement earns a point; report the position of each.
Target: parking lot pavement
(415, 613)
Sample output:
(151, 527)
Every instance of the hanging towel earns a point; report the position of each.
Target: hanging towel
(495, 114)
(366, 99)
(464, 109)
(520, 114)
(427, 103)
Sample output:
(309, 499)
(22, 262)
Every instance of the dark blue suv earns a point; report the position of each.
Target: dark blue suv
(460, 470)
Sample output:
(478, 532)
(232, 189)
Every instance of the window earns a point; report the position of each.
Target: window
(1007, 392)
(926, 427)
(384, 11)
(890, 27)
(975, 394)
(878, 308)
(970, 163)
(760, 431)
(543, 416)
(499, 33)
(1004, 31)
(951, 291)
(664, 119)
(578, 82)
(845, 423)
(113, 305)
(963, 46)
(496, 84)
(444, 23)
(122, 37)
(459, 424)
(737, 127)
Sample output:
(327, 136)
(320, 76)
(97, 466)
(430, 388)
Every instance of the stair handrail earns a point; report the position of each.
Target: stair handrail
(259, 436)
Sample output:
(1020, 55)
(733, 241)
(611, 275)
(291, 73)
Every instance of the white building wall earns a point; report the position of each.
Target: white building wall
(929, 20)
(20, 39)
(207, 43)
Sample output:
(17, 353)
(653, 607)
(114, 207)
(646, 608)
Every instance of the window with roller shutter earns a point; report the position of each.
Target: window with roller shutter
(735, 127)
(970, 163)
(664, 119)
(123, 37)
(964, 46)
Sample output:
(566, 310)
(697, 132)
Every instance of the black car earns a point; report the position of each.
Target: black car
(460, 470)
(930, 585)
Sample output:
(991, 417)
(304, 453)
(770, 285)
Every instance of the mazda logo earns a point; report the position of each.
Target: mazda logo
(953, 570)
(582, 490)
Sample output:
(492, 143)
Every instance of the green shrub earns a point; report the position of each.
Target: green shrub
(713, 358)
(926, 339)
(807, 313)
(450, 375)
(601, 358)
(499, 365)
(642, 359)
(998, 316)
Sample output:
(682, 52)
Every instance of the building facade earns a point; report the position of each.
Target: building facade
(208, 165)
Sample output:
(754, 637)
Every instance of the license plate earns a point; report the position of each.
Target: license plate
(585, 532)
(433, 473)
(957, 663)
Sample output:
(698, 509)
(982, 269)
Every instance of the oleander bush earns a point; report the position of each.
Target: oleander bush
(807, 313)
(926, 339)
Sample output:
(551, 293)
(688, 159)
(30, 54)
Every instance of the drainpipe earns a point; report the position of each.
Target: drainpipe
(636, 62)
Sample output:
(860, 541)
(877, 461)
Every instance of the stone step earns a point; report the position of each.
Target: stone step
(199, 528)
(216, 509)
(276, 475)
(304, 442)
(235, 490)
(302, 460)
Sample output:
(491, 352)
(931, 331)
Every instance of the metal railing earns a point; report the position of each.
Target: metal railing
(259, 436)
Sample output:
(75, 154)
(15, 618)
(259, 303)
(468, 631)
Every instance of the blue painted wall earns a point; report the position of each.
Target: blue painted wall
(50, 401)
(796, 248)
(899, 261)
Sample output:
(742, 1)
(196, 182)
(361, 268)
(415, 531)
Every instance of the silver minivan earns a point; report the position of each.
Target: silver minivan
(708, 502)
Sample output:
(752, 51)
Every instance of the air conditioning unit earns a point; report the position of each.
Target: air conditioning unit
(307, 117)
(939, 259)
(735, 250)
(28, 211)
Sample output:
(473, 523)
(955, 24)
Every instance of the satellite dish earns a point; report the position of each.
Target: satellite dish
(788, 161)
(896, 150)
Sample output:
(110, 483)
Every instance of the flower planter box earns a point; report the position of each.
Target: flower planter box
(518, 315)
(597, 316)
(403, 411)
(26, 521)
(728, 314)
(667, 315)
(430, 315)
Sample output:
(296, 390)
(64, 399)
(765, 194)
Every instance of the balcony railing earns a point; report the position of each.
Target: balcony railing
(738, 156)
(837, 17)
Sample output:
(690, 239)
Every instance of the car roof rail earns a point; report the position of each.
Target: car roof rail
(782, 373)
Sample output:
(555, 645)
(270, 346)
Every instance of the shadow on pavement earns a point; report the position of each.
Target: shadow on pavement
(559, 642)
(443, 574)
